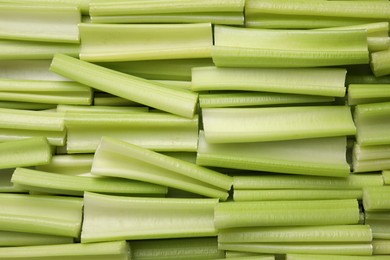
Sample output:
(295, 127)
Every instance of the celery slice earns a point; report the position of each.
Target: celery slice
(380, 63)
(127, 41)
(376, 198)
(9, 238)
(126, 86)
(368, 93)
(119, 159)
(100, 109)
(381, 247)
(109, 218)
(39, 22)
(310, 81)
(221, 125)
(41, 214)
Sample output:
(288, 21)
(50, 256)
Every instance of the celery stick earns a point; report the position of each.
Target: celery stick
(104, 99)
(55, 138)
(101, 109)
(309, 234)
(126, 86)
(370, 165)
(125, 42)
(83, 5)
(8, 238)
(233, 254)
(376, 198)
(41, 214)
(379, 223)
(376, 44)
(380, 63)
(25, 152)
(180, 84)
(157, 131)
(39, 22)
(381, 247)
(117, 250)
(379, 29)
(310, 81)
(259, 257)
(362, 74)
(368, 93)
(109, 218)
(25, 105)
(247, 47)
(221, 125)
(286, 213)
(305, 256)
(116, 158)
(6, 184)
(386, 176)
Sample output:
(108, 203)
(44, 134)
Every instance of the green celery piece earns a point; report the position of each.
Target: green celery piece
(179, 248)
(54, 138)
(6, 184)
(101, 109)
(9, 238)
(104, 99)
(380, 63)
(305, 256)
(125, 42)
(32, 22)
(372, 123)
(370, 165)
(376, 44)
(379, 223)
(334, 233)
(235, 254)
(286, 213)
(116, 158)
(248, 47)
(376, 198)
(308, 81)
(259, 257)
(126, 86)
(116, 250)
(83, 5)
(50, 215)
(221, 125)
(362, 74)
(25, 152)
(26, 105)
(379, 29)
(386, 176)
(109, 218)
(179, 84)
(242, 99)
(72, 183)
(157, 131)
(293, 194)
(381, 247)
(368, 93)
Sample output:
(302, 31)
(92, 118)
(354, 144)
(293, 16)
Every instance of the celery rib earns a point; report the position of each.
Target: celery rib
(9, 238)
(368, 93)
(305, 256)
(376, 198)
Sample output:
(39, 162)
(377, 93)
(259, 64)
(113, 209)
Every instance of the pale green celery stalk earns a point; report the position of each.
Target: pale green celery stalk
(379, 223)
(372, 123)
(177, 69)
(364, 249)
(157, 131)
(380, 63)
(305, 256)
(25, 152)
(222, 125)
(185, 156)
(293, 194)
(9, 238)
(386, 177)
(227, 18)
(6, 184)
(233, 254)
(126, 86)
(242, 99)
(52, 215)
(74, 164)
(32, 22)
(104, 99)
(109, 218)
(309, 81)
(381, 247)
(259, 257)
(248, 47)
(368, 93)
(376, 44)
(124, 42)
(116, 250)
(101, 109)
(362, 74)
(55, 138)
(376, 198)
(315, 156)
(371, 152)
(370, 165)
(180, 248)
(116, 158)
(25, 105)
(83, 5)
(175, 83)
(334, 233)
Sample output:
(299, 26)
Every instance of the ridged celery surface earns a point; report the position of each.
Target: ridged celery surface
(379, 223)
(368, 93)
(222, 125)
(101, 109)
(111, 218)
(116, 158)
(123, 85)
(9, 238)
(68, 164)
(305, 256)
(25, 105)
(376, 198)
(379, 62)
(83, 5)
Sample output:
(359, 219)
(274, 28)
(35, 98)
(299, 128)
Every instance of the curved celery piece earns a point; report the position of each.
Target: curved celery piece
(381, 247)
(305, 256)
(379, 63)
(376, 198)
(50, 215)
(117, 250)
(110, 218)
(9, 238)
(116, 158)
(34, 22)
(101, 109)
(157, 131)
(248, 47)
(83, 5)
(368, 93)
(379, 223)
(126, 86)
(124, 42)
(308, 81)
(222, 125)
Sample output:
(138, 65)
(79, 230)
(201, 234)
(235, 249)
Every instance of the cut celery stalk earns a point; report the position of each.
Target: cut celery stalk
(362, 74)
(309, 81)
(317, 156)
(83, 5)
(235, 254)
(104, 99)
(370, 165)
(39, 22)
(9, 238)
(55, 138)
(376, 198)
(126, 86)
(380, 63)
(101, 109)
(376, 44)
(157, 131)
(25, 152)
(50, 215)
(381, 247)
(379, 223)
(25, 105)
(109, 218)
(176, 84)
(247, 47)
(379, 29)
(117, 250)
(386, 176)
(368, 93)
(257, 257)
(286, 213)
(336, 233)
(305, 256)
(221, 125)
(125, 42)
(116, 158)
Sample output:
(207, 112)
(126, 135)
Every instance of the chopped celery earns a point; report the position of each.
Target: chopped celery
(125, 42)
(74, 164)
(55, 138)
(104, 99)
(9, 238)
(379, 223)
(380, 63)
(101, 109)
(376, 198)
(368, 93)
(123, 85)
(305, 256)
(379, 29)
(381, 247)
(370, 165)
(109, 218)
